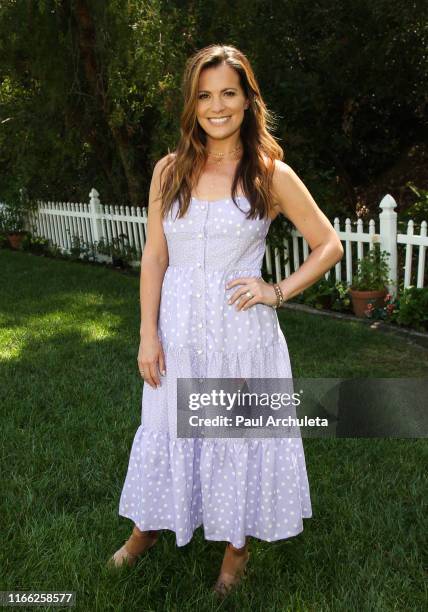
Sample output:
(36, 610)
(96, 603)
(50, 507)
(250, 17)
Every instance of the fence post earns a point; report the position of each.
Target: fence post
(388, 237)
(95, 210)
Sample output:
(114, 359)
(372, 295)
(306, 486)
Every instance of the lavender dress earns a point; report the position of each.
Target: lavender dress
(233, 487)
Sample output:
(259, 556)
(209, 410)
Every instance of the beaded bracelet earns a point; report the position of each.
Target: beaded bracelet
(279, 296)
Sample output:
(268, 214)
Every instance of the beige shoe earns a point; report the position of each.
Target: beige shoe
(136, 545)
(232, 569)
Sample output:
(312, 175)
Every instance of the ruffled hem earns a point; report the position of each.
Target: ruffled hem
(233, 487)
(159, 406)
(262, 360)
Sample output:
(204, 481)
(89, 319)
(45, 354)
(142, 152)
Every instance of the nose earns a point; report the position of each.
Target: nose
(217, 105)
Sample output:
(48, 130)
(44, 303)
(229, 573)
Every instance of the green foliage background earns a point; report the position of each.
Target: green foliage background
(90, 91)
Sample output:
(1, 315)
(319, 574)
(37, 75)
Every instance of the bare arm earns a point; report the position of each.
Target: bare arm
(154, 260)
(297, 204)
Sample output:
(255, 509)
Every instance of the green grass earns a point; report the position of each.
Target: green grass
(70, 399)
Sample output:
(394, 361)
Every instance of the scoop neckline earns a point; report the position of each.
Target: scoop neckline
(219, 199)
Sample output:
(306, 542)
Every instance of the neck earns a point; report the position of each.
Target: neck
(225, 148)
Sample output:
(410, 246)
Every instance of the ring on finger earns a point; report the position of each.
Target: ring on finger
(243, 303)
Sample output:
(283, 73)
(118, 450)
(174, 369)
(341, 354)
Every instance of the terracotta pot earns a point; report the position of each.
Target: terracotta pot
(15, 240)
(361, 299)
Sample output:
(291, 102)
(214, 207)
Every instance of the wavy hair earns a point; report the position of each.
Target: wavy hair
(255, 168)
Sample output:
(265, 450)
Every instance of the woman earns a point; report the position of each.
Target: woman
(210, 207)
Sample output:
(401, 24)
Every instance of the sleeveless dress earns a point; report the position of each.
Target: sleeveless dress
(233, 487)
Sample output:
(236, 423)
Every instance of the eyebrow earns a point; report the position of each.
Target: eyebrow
(208, 91)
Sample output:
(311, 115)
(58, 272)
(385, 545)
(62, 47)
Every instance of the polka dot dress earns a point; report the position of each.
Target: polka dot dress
(232, 487)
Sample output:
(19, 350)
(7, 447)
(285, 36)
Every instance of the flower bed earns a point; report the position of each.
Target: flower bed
(409, 308)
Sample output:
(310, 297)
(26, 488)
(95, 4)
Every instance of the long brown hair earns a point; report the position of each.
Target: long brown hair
(260, 149)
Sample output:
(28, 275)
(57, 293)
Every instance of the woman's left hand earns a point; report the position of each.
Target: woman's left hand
(261, 292)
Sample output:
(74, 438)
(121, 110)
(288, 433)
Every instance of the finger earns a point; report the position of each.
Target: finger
(246, 302)
(243, 293)
(155, 374)
(140, 368)
(251, 302)
(243, 296)
(238, 294)
(148, 374)
(239, 281)
(162, 367)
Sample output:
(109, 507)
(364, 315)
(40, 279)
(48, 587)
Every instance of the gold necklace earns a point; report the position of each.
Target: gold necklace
(220, 156)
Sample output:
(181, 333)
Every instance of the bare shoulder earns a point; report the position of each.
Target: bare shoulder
(286, 185)
(163, 162)
(273, 204)
(282, 172)
(158, 176)
(298, 205)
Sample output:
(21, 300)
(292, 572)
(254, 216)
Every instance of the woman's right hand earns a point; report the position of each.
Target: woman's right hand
(151, 359)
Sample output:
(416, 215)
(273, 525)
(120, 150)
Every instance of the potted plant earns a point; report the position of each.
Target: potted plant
(369, 286)
(15, 225)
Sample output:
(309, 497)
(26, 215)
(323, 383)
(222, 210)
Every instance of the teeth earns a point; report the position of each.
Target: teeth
(219, 120)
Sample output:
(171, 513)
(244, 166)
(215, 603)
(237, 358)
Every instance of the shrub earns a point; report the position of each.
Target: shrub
(413, 308)
(373, 270)
(327, 293)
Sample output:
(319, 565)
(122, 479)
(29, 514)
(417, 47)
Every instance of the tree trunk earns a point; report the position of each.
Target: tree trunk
(94, 75)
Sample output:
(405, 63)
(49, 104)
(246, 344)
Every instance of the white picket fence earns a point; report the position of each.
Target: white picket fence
(62, 221)
(388, 237)
(90, 221)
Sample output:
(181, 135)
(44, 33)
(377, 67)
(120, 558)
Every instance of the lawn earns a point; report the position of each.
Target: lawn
(70, 400)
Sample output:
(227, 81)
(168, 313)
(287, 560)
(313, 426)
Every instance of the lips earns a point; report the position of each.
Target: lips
(219, 120)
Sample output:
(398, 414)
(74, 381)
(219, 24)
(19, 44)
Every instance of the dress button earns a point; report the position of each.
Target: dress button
(199, 351)
(198, 295)
(199, 324)
(200, 235)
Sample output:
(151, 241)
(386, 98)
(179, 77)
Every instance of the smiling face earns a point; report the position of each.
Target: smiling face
(221, 102)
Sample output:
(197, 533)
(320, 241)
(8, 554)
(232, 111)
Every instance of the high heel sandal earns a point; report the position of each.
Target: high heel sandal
(232, 569)
(135, 545)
